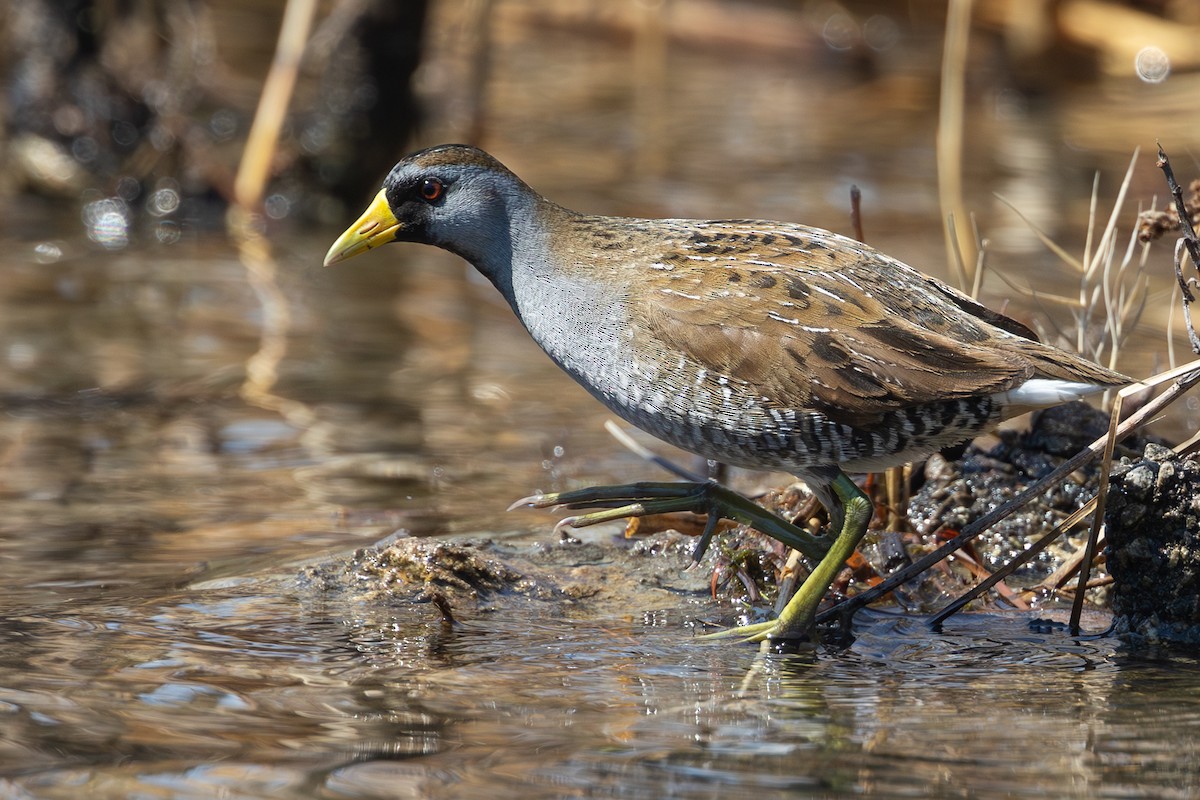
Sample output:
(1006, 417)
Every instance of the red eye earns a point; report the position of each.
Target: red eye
(431, 190)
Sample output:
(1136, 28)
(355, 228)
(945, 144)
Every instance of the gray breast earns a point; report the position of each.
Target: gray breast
(585, 328)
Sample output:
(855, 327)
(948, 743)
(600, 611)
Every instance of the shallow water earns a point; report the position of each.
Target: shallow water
(192, 694)
(155, 646)
(178, 436)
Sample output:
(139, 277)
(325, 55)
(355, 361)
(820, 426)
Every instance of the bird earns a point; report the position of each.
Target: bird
(766, 345)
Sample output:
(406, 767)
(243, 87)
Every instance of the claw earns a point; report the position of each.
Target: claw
(710, 528)
(566, 522)
(746, 633)
(533, 501)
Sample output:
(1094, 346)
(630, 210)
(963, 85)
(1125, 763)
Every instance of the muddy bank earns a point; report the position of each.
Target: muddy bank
(1153, 521)
(473, 578)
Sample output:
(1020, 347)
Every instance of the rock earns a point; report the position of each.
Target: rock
(1153, 530)
(465, 578)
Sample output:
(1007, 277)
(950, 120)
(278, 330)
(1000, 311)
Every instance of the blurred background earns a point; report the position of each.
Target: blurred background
(672, 106)
(185, 393)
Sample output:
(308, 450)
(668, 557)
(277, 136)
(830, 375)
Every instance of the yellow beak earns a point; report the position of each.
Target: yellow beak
(377, 225)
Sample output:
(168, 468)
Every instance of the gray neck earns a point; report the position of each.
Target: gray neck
(576, 315)
(503, 240)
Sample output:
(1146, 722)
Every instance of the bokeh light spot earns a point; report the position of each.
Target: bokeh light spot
(1153, 65)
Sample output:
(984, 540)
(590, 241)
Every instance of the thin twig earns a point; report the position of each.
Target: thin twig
(1188, 297)
(1185, 219)
(1089, 551)
(1021, 559)
(1055, 581)
(981, 250)
(1189, 241)
(856, 213)
(1044, 237)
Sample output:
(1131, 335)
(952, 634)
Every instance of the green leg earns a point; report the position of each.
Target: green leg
(642, 499)
(797, 617)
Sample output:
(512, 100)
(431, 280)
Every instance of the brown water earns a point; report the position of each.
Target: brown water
(146, 653)
(157, 505)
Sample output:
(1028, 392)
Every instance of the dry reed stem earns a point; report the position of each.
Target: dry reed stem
(1112, 291)
(262, 368)
(950, 141)
(255, 168)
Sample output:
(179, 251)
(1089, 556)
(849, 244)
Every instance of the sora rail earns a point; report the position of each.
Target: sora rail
(762, 344)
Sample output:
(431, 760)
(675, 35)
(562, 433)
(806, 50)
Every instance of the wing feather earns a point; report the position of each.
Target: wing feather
(865, 332)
